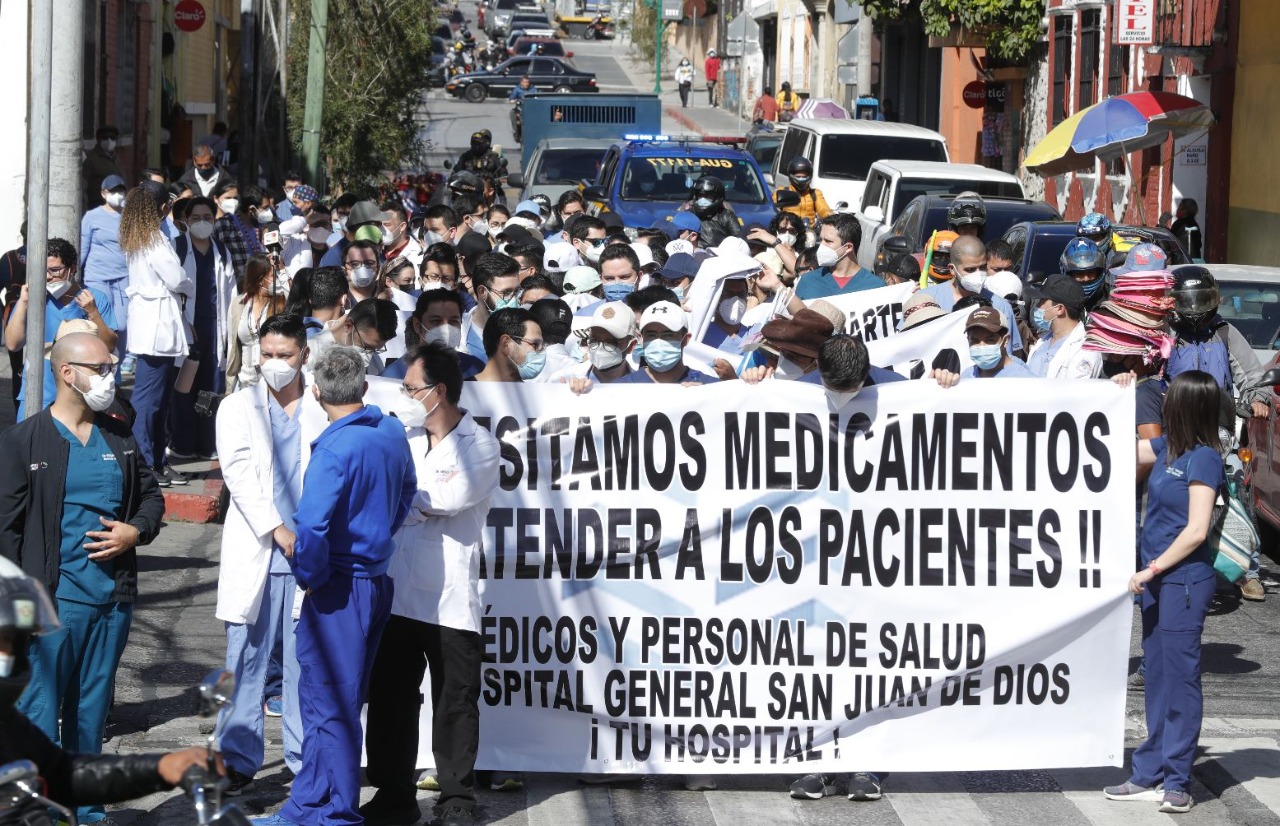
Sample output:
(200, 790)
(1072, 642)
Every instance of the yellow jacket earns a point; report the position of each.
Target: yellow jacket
(812, 205)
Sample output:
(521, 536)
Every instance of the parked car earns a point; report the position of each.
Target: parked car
(842, 152)
(764, 144)
(892, 185)
(547, 73)
(529, 21)
(927, 213)
(547, 47)
(559, 164)
(498, 20)
(1249, 298)
(1038, 244)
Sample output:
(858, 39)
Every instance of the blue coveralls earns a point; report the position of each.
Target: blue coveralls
(356, 493)
(250, 645)
(1174, 606)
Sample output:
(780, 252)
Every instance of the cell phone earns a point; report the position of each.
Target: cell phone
(207, 402)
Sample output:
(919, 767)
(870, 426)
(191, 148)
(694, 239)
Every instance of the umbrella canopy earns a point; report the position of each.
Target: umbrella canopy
(1109, 129)
(821, 108)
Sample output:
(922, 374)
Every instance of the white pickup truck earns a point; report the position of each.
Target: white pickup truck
(891, 185)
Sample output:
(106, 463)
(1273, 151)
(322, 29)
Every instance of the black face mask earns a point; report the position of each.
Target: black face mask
(481, 148)
(1112, 368)
(207, 173)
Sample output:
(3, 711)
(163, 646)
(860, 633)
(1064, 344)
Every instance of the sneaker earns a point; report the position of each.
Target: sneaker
(813, 787)
(174, 477)
(509, 782)
(1253, 591)
(428, 783)
(179, 455)
(455, 816)
(384, 809)
(271, 820)
(1138, 680)
(274, 707)
(1129, 790)
(1176, 802)
(237, 783)
(700, 783)
(864, 786)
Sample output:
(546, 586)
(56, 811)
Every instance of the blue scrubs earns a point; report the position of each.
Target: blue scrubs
(74, 668)
(250, 646)
(1174, 606)
(358, 489)
(54, 314)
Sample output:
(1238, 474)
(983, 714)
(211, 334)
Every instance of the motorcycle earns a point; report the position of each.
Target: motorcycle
(598, 30)
(21, 801)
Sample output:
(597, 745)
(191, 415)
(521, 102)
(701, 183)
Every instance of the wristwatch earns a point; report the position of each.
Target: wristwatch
(776, 242)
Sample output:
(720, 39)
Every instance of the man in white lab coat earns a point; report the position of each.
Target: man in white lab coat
(436, 609)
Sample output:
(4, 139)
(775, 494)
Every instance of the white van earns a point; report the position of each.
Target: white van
(842, 152)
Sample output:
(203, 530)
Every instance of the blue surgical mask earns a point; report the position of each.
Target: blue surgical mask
(703, 203)
(679, 291)
(662, 355)
(986, 356)
(618, 290)
(533, 364)
(511, 303)
(1037, 318)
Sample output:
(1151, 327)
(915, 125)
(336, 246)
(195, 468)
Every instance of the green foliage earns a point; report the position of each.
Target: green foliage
(375, 76)
(643, 40)
(1011, 27)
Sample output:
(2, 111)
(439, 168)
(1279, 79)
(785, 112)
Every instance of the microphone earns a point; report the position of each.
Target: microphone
(271, 237)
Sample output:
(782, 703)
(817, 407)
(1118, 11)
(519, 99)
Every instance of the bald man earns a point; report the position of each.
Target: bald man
(75, 500)
(968, 276)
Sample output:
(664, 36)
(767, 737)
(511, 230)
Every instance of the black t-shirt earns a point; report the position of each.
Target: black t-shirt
(1150, 401)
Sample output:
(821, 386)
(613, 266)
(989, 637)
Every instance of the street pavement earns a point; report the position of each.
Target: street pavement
(176, 640)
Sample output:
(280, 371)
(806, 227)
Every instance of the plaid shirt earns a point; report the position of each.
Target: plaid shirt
(240, 239)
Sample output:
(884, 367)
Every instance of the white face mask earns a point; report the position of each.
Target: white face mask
(318, 235)
(115, 199)
(604, 356)
(229, 205)
(200, 230)
(411, 413)
(430, 237)
(101, 392)
(827, 257)
(288, 193)
(787, 369)
(432, 284)
(109, 144)
(732, 309)
(340, 223)
(57, 289)
(788, 238)
(6, 665)
(362, 277)
(838, 399)
(389, 237)
(591, 252)
(446, 334)
(496, 231)
(277, 373)
(266, 216)
(973, 281)
(480, 227)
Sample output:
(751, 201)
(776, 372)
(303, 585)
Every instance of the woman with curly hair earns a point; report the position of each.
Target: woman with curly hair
(161, 313)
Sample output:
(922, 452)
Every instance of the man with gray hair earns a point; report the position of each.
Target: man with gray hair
(205, 175)
(356, 492)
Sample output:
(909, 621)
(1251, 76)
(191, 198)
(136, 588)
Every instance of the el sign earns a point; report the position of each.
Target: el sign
(1135, 22)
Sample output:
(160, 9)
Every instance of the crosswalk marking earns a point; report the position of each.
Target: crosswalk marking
(560, 800)
(934, 799)
(1253, 761)
(1083, 787)
(733, 808)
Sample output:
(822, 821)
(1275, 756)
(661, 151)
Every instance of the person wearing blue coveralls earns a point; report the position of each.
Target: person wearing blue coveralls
(102, 262)
(356, 493)
(75, 501)
(259, 440)
(1177, 588)
(65, 300)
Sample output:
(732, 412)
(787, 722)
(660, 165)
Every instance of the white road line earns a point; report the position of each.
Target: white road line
(733, 808)
(1253, 761)
(1083, 787)
(933, 799)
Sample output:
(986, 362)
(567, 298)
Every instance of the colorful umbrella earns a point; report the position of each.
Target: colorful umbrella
(1116, 126)
(822, 108)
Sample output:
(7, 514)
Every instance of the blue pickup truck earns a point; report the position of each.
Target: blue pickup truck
(625, 186)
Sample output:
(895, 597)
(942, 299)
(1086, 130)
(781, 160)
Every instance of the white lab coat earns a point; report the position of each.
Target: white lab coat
(436, 566)
(161, 309)
(224, 277)
(1071, 361)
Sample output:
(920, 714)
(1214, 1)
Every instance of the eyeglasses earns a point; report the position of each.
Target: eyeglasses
(535, 346)
(409, 391)
(355, 265)
(101, 369)
(595, 242)
(505, 294)
(56, 272)
(359, 342)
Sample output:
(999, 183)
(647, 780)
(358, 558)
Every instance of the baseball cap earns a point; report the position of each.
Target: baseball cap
(517, 234)
(919, 308)
(685, 221)
(112, 182)
(581, 279)
(902, 265)
(644, 252)
(666, 227)
(369, 232)
(1143, 258)
(1004, 284)
(677, 246)
(558, 256)
(553, 316)
(733, 245)
(74, 325)
(528, 206)
(681, 265)
(986, 318)
(667, 315)
(366, 212)
(1064, 290)
(615, 318)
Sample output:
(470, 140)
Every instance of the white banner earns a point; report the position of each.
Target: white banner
(732, 580)
(873, 314)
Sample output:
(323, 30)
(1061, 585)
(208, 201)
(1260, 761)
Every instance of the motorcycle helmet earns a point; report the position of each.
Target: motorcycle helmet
(25, 611)
(482, 141)
(967, 209)
(707, 195)
(940, 263)
(800, 171)
(1195, 294)
(1097, 228)
(466, 181)
(457, 47)
(1083, 261)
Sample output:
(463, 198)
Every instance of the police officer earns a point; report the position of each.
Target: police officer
(706, 201)
(812, 205)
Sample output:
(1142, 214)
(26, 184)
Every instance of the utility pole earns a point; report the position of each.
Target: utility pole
(66, 126)
(247, 173)
(38, 118)
(313, 113)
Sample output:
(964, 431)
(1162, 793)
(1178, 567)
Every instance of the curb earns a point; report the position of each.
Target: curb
(675, 113)
(201, 502)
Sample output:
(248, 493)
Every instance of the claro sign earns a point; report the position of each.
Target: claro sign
(188, 16)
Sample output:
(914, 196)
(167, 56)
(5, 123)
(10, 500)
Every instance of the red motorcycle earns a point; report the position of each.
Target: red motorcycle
(598, 30)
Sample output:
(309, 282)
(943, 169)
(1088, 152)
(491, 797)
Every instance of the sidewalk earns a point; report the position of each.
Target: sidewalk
(698, 118)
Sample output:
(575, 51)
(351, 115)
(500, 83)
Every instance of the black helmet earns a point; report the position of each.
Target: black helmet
(967, 208)
(710, 187)
(25, 610)
(1195, 294)
(801, 166)
(466, 181)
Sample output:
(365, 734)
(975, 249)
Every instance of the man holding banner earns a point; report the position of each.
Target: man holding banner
(968, 276)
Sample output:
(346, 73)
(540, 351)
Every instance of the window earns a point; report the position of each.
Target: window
(126, 66)
(1061, 69)
(1117, 70)
(792, 145)
(1090, 44)
(849, 156)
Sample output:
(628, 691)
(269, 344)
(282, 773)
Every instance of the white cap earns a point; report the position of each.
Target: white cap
(644, 252)
(733, 245)
(560, 256)
(1004, 284)
(679, 246)
(581, 279)
(667, 314)
(615, 318)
